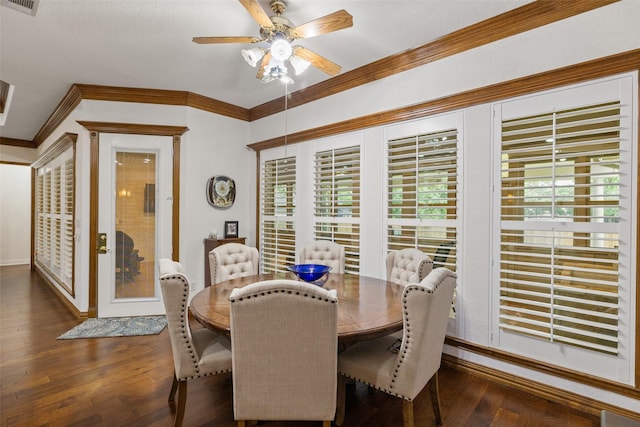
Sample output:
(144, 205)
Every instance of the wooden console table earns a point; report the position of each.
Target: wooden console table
(209, 244)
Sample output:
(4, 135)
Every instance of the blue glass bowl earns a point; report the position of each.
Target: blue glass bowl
(309, 272)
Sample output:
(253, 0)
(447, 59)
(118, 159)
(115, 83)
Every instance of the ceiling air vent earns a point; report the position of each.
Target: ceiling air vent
(30, 7)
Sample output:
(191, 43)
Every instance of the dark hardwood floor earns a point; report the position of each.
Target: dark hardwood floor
(126, 381)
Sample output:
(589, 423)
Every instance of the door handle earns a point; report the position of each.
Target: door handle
(102, 243)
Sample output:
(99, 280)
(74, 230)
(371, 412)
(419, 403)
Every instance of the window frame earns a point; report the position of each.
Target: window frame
(565, 355)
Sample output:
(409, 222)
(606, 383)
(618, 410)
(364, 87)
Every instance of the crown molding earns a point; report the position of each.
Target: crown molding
(17, 142)
(602, 67)
(516, 21)
(524, 18)
(79, 92)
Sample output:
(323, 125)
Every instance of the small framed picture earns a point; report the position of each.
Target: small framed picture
(230, 229)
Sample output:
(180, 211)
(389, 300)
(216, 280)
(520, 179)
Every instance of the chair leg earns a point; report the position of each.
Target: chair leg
(174, 388)
(435, 398)
(407, 412)
(241, 423)
(342, 392)
(326, 423)
(182, 402)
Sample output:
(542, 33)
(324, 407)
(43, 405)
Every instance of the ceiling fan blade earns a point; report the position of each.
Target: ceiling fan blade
(327, 24)
(265, 61)
(209, 40)
(257, 12)
(320, 62)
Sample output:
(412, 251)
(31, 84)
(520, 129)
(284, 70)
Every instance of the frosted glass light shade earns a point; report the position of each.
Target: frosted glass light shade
(253, 55)
(281, 50)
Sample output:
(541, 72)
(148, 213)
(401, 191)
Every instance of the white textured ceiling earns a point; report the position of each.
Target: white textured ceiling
(147, 44)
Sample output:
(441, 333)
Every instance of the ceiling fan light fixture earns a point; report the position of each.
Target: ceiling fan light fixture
(253, 55)
(299, 64)
(281, 50)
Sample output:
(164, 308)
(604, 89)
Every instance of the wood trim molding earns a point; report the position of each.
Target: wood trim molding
(72, 308)
(544, 391)
(66, 139)
(175, 214)
(62, 111)
(134, 128)
(546, 368)
(95, 128)
(5, 162)
(516, 21)
(602, 67)
(524, 18)
(17, 142)
(94, 154)
(78, 92)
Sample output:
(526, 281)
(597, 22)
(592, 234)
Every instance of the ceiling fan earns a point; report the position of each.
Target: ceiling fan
(278, 32)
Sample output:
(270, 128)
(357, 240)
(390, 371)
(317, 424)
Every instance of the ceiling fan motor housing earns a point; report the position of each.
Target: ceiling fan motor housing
(281, 30)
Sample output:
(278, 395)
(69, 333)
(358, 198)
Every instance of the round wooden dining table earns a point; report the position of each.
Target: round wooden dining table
(367, 307)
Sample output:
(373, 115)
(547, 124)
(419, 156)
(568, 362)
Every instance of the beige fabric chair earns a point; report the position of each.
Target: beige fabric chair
(405, 373)
(233, 260)
(284, 340)
(324, 252)
(195, 353)
(408, 266)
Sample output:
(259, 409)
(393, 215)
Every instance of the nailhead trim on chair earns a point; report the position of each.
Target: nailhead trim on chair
(408, 327)
(185, 337)
(263, 293)
(404, 353)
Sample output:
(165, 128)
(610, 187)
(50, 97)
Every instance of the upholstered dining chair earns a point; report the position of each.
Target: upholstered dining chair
(233, 260)
(324, 252)
(408, 266)
(284, 341)
(196, 353)
(404, 372)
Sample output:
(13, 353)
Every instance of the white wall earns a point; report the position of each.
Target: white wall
(213, 145)
(15, 204)
(9, 153)
(15, 218)
(601, 32)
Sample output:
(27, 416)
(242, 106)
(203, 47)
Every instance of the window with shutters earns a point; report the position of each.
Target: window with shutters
(337, 201)
(422, 189)
(278, 204)
(54, 211)
(565, 191)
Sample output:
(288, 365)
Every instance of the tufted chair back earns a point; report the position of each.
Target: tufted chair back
(407, 370)
(324, 252)
(408, 266)
(284, 339)
(195, 353)
(233, 260)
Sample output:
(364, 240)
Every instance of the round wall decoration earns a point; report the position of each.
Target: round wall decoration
(221, 191)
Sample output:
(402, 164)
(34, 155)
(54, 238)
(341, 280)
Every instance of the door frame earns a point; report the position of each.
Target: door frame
(95, 129)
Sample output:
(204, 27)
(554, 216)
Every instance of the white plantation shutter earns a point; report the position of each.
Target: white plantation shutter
(67, 218)
(422, 194)
(45, 255)
(54, 243)
(564, 235)
(39, 229)
(278, 201)
(337, 201)
(560, 215)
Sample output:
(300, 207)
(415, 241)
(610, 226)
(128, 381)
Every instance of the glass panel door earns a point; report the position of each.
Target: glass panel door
(135, 205)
